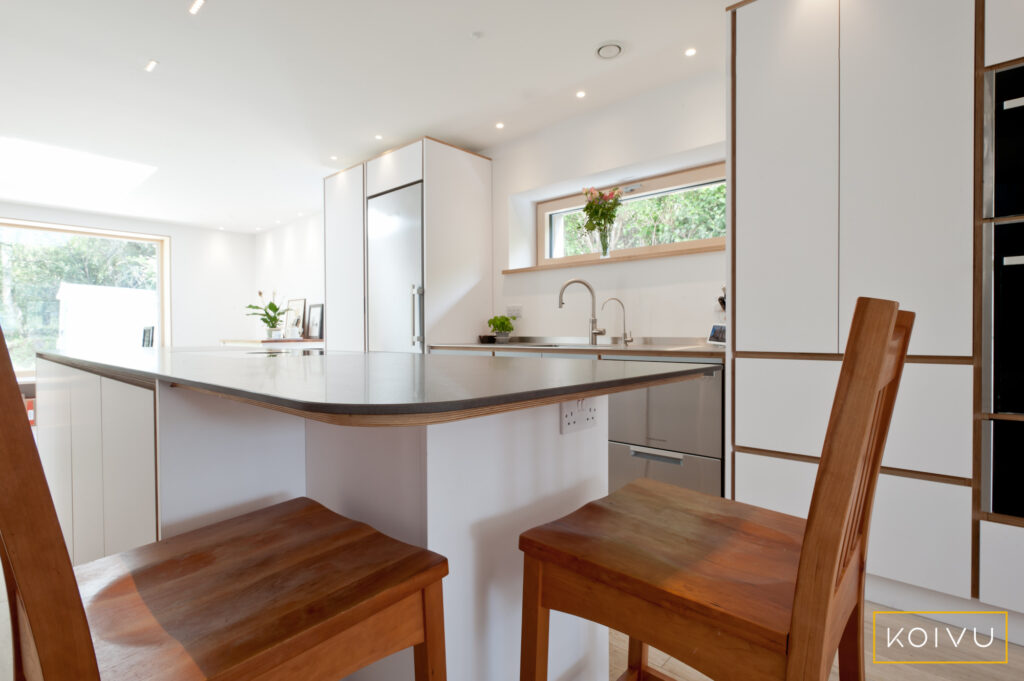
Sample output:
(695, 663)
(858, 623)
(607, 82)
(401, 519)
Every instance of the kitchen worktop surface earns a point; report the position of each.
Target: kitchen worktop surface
(668, 348)
(342, 383)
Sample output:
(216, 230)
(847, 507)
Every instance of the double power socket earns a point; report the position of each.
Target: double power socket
(577, 415)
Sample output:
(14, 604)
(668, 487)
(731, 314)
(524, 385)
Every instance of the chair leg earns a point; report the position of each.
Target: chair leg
(851, 646)
(429, 656)
(533, 661)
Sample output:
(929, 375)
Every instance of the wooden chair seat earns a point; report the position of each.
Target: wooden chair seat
(688, 552)
(737, 592)
(237, 599)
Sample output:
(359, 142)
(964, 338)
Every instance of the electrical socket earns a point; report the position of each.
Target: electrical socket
(577, 415)
(514, 311)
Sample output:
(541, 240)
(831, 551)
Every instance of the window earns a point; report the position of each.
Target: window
(77, 290)
(682, 212)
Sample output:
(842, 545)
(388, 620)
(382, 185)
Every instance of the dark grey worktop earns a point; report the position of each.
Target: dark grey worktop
(375, 383)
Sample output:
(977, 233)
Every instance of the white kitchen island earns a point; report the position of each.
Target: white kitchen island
(456, 454)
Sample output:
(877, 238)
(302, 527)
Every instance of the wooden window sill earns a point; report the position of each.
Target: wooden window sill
(685, 248)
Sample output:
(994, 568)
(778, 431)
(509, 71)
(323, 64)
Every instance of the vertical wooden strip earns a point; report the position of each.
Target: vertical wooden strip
(731, 297)
(979, 116)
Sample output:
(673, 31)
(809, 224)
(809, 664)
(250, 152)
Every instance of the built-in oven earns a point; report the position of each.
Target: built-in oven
(670, 432)
(1003, 294)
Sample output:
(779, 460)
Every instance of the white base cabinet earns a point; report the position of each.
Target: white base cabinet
(1004, 39)
(96, 439)
(784, 405)
(920, 530)
(1001, 558)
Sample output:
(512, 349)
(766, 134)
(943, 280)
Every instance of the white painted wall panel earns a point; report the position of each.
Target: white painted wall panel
(129, 466)
(395, 168)
(781, 485)
(906, 165)
(344, 296)
(1002, 555)
(787, 185)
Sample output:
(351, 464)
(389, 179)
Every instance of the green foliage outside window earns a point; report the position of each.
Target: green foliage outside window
(670, 217)
(31, 272)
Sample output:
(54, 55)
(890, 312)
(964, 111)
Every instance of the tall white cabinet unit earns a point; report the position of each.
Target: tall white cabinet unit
(853, 127)
(96, 440)
(456, 240)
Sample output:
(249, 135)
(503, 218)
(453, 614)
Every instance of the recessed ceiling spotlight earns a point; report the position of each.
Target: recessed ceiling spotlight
(300, 213)
(690, 51)
(379, 137)
(499, 126)
(259, 229)
(151, 64)
(334, 158)
(277, 222)
(221, 228)
(196, 6)
(580, 94)
(609, 50)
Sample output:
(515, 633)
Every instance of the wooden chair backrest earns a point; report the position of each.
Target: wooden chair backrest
(831, 572)
(50, 632)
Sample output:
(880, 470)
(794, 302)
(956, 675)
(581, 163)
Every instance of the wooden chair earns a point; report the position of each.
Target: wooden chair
(735, 591)
(293, 591)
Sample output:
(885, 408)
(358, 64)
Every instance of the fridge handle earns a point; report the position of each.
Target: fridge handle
(416, 292)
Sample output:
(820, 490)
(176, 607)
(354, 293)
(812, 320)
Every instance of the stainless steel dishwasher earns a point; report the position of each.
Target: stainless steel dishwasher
(670, 432)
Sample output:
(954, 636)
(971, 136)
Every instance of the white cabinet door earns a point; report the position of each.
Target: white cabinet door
(921, 534)
(920, 530)
(53, 438)
(784, 404)
(86, 466)
(129, 466)
(1004, 39)
(782, 485)
(395, 168)
(906, 165)
(787, 187)
(1002, 555)
(344, 205)
(457, 252)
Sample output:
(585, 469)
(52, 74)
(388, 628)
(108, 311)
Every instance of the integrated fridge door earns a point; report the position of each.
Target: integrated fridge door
(394, 270)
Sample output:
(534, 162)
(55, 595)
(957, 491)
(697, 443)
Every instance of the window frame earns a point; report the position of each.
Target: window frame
(679, 179)
(163, 246)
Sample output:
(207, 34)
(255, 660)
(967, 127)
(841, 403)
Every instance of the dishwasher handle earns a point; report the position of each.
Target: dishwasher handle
(658, 455)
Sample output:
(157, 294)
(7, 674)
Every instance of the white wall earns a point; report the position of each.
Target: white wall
(211, 271)
(676, 126)
(290, 260)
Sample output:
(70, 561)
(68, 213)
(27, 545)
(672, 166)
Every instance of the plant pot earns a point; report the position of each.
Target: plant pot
(274, 334)
(501, 336)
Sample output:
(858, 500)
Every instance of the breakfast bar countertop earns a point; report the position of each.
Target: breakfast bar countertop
(360, 388)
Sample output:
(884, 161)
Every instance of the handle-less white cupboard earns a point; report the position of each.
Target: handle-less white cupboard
(387, 292)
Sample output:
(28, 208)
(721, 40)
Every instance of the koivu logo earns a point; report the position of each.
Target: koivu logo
(898, 639)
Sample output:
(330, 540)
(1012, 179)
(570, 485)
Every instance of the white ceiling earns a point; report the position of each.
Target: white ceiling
(251, 98)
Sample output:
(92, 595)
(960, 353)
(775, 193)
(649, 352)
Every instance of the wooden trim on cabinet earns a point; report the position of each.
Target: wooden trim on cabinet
(977, 283)
(1005, 219)
(1002, 417)
(1002, 519)
(731, 231)
(838, 357)
(1001, 65)
(642, 253)
(739, 4)
(888, 470)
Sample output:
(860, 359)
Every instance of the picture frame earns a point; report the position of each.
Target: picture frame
(295, 318)
(315, 328)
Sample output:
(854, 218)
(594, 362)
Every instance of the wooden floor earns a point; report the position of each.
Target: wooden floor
(1014, 671)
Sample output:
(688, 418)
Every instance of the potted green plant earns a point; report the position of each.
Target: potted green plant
(600, 210)
(271, 314)
(501, 325)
